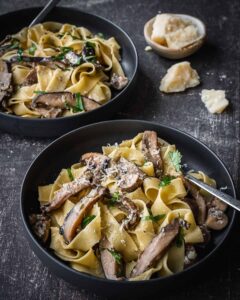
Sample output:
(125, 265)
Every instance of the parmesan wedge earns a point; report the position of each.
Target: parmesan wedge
(173, 32)
(214, 100)
(179, 77)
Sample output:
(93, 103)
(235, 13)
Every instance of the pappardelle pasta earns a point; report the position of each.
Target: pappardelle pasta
(128, 213)
(52, 70)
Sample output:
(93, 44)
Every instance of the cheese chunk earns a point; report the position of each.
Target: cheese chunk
(182, 37)
(214, 100)
(173, 31)
(179, 77)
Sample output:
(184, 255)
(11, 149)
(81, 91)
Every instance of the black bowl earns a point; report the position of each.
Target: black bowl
(66, 150)
(58, 126)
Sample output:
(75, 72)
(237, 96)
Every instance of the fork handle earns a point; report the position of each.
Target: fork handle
(217, 193)
(47, 8)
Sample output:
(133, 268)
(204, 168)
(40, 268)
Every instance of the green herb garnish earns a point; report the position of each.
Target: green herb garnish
(87, 220)
(79, 104)
(32, 49)
(117, 256)
(19, 54)
(175, 158)
(64, 51)
(14, 44)
(180, 238)
(91, 57)
(166, 180)
(114, 199)
(154, 218)
(40, 92)
(90, 44)
(70, 174)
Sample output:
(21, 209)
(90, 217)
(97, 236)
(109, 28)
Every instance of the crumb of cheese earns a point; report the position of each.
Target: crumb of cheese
(148, 48)
(214, 100)
(179, 77)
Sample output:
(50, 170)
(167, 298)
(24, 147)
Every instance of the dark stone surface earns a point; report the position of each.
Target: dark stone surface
(22, 275)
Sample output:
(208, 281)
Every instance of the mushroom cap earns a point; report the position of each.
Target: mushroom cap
(216, 219)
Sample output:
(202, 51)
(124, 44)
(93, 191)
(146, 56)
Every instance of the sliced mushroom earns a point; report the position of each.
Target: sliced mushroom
(193, 206)
(118, 82)
(6, 44)
(3, 97)
(132, 211)
(151, 150)
(5, 81)
(190, 255)
(218, 204)
(41, 226)
(216, 219)
(111, 267)
(67, 190)
(96, 163)
(31, 59)
(4, 66)
(95, 160)
(50, 113)
(200, 201)
(31, 78)
(74, 218)
(157, 248)
(90, 104)
(54, 100)
(206, 234)
(62, 100)
(131, 177)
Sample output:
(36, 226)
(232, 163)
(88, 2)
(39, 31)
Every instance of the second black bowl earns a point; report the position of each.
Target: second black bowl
(58, 126)
(67, 150)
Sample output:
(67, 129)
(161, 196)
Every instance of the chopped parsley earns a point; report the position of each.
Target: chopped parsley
(70, 174)
(40, 92)
(180, 238)
(20, 54)
(90, 45)
(175, 158)
(117, 256)
(14, 44)
(63, 52)
(32, 49)
(114, 199)
(79, 103)
(87, 220)
(90, 57)
(166, 180)
(154, 218)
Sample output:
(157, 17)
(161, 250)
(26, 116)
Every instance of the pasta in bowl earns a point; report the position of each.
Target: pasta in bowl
(128, 213)
(55, 70)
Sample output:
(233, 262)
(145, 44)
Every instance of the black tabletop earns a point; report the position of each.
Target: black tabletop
(22, 275)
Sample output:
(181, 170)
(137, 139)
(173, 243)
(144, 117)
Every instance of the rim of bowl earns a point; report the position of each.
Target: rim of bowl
(139, 282)
(115, 98)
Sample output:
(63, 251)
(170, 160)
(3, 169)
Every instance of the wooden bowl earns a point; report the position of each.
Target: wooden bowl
(176, 53)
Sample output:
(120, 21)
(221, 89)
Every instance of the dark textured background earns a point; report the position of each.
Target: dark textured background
(22, 275)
